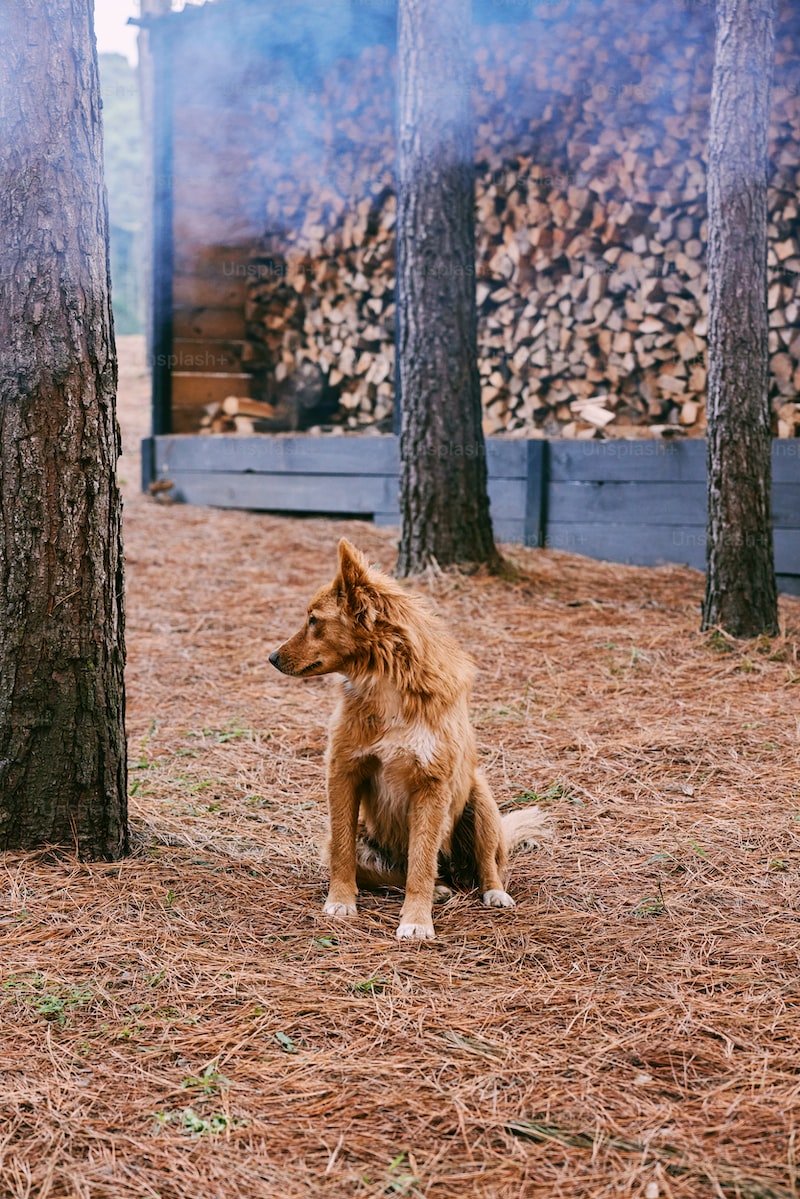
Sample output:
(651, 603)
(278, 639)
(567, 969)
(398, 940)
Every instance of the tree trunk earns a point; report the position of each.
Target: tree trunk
(443, 499)
(62, 699)
(740, 584)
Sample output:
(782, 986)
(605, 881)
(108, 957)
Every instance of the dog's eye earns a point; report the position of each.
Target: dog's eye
(312, 620)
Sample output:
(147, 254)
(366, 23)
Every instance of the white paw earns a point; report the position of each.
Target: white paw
(441, 894)
(332, 908)
(498, 899)
(415, 932)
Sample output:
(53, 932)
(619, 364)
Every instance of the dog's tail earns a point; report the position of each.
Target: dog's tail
(526, 828)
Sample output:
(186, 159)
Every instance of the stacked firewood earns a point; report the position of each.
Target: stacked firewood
(591, 232)
(321, 292)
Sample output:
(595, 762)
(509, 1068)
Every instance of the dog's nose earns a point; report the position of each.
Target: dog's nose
(274, 658)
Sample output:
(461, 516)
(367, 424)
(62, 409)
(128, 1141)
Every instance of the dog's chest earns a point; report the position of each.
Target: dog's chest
(415, 741)
(380, 730)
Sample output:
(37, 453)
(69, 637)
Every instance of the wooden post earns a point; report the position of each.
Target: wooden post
(536, 495)
(159, 35)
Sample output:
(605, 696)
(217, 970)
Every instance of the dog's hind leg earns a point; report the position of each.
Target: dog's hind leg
(374, 868)
(490, 849)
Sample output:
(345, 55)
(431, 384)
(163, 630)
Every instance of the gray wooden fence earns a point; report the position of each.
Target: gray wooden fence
(642, 502)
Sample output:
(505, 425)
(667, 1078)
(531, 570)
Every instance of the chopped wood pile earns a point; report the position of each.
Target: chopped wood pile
(591, 233)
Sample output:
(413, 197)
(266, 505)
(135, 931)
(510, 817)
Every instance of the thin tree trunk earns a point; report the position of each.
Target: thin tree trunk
(443, 499)
(62, 699)
(740, 584)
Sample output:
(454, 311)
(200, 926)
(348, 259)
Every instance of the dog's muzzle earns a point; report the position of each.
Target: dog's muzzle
(275, 659)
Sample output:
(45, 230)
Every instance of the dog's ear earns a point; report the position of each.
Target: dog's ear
(356, 587)
(353, 565)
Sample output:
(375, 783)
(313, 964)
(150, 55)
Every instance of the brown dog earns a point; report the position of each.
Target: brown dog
(407, 801)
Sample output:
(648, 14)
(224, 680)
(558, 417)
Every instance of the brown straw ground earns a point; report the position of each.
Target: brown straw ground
(186, 1024)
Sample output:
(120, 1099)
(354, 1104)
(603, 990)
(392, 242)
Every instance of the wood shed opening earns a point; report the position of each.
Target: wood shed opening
(273, 297)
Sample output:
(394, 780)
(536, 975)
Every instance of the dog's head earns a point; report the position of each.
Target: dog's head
(339, 618)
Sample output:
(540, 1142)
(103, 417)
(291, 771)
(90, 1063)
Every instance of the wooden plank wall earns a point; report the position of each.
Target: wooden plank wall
(644, 502)
(640, 502)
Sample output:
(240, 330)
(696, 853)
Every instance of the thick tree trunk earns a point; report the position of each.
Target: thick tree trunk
(62, 700)
(740, 585)
(443, 499)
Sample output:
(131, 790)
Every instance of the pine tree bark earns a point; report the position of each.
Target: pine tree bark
(443, 499)
(62, 699)
(740, 583)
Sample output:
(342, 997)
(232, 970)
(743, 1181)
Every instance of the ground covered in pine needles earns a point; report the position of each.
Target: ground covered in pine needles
(187, 1024)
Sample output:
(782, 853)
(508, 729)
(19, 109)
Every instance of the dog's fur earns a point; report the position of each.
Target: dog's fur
(407, 801)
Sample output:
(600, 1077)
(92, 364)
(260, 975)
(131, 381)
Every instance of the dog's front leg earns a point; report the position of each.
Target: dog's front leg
(343, 804)
(426, 813)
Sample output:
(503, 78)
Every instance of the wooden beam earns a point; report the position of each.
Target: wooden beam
(210, 323)
(194, 389)
(536, 493)
(627, 461)
(148, 462)
(161, 333)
